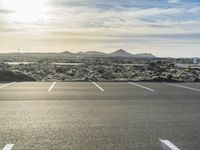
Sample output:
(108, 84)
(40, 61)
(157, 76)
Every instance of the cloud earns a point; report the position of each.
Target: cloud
(174, 1)
(4, 11)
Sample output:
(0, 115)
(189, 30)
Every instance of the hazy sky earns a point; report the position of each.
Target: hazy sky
(161, 27)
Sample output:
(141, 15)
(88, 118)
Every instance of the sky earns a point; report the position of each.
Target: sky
(165, 28)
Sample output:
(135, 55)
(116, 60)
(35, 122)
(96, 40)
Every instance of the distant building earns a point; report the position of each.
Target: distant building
(195, 60)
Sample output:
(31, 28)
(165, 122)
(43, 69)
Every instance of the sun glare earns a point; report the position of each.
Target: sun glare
(26, 10)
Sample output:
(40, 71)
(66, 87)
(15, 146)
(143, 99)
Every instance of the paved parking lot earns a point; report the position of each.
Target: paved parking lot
(102, 115)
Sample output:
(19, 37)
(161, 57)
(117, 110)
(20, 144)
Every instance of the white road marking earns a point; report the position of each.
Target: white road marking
(100, 88)
(167, 145)
(8, 147)
(142, 86)
(51, 87)
(6, 85)
(185, 87)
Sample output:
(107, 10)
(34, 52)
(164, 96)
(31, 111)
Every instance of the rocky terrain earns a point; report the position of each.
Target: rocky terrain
(99, 70)
(9, 75)
(96, 66)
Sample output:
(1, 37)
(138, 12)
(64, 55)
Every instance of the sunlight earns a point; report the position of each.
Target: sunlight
(27, 11)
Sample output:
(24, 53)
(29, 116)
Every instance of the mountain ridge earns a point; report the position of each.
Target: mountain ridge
(118, 53)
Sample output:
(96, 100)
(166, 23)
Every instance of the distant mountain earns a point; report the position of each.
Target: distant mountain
(120, 53)
(66, 54)
(145, 55)
(91, 53)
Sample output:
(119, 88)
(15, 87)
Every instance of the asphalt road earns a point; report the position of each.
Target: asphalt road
(99, 116)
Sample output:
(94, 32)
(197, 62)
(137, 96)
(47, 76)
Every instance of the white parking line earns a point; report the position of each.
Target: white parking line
(6, 85)
(51, 87)
(167, 145)
(100, 88)
(142, 86)
(185, 87)
(8, 147)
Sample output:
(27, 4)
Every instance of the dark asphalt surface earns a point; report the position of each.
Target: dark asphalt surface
(78, 116)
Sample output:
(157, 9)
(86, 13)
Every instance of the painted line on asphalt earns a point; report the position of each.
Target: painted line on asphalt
(149, 89)
(100, 88)
(185, 87)
(167, 145)
(8, 147)
(6, 85)
(51, 87)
